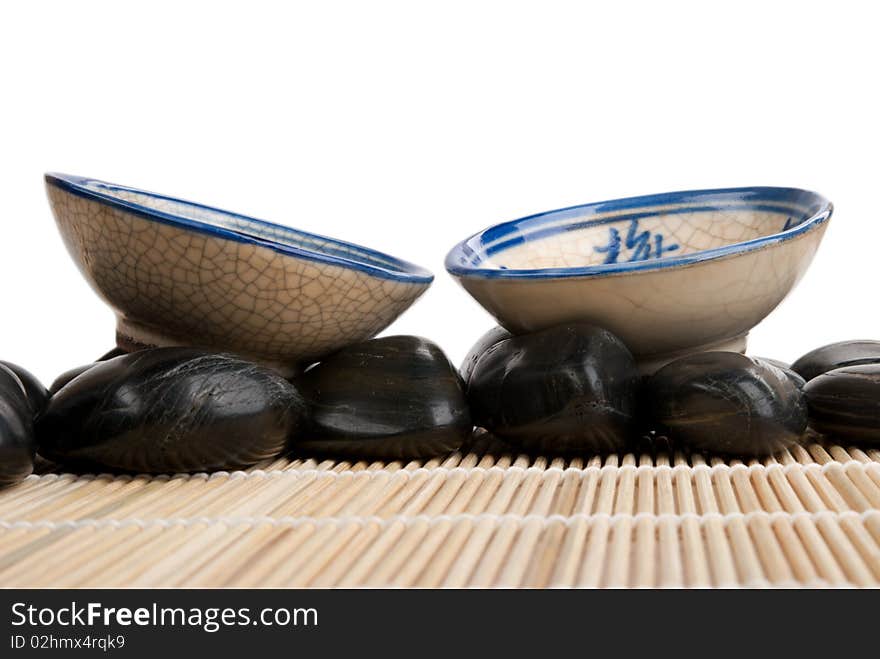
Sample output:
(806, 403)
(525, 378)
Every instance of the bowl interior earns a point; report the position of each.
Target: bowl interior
(249, 229)
(655, 228)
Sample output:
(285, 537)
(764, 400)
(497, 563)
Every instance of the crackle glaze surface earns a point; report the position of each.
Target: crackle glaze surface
(178, 273)
(669, 274)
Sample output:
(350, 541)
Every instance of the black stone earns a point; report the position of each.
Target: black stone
(170, 410)
(571, 388)
(17, 444)
(799, 382)
(845, 402)
(37, 394)
(837, 355)
(396, 397)
(778, 363)
(485, 342)
(728, 403)
(70, 374)
(67, 376)
(110, 354)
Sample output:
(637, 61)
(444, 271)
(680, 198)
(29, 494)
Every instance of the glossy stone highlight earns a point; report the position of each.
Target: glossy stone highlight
(37, 394)
(798, 381)
(778, 363)
(16, 429)
(845, 402)
(728, 403)
(837, 355)
(570, 388)
(170, 410)
(396, 397)
(485, 342)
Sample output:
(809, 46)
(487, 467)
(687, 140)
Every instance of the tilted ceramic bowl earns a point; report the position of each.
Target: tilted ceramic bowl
(179, 273)
(669, 274)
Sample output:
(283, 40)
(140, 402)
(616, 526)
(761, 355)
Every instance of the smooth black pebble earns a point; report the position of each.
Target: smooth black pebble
(110, 354)
(728, 403)
(67, 376)
(37, 394)
(70, 374)
(395, 397)
(489, 339)
(837, 355)
(785, 368)
(778, 363)
(170, 410)
(845, 402)
(16, 429)
(570, 388)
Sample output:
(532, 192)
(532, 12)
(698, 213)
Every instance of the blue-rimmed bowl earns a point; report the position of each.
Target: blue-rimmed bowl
(180, 273)
(670, 273)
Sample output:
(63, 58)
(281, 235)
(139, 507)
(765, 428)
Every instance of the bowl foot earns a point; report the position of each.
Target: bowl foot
(648, 364)
(129, 344)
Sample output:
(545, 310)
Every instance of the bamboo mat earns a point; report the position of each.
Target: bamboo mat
(809, 517)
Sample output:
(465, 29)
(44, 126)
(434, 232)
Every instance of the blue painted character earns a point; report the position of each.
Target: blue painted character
(637, 242)
(612, 248)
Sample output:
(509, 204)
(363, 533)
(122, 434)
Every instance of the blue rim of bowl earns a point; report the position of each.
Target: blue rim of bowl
(496, 238)
(385, 266)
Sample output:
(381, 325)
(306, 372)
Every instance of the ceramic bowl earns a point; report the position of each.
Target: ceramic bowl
(179, 273)
(670, 274)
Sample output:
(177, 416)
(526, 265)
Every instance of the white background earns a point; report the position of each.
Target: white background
(408, 126)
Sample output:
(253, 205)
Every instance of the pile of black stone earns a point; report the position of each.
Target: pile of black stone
(170, 410)
(576, 389)
(571, 389)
